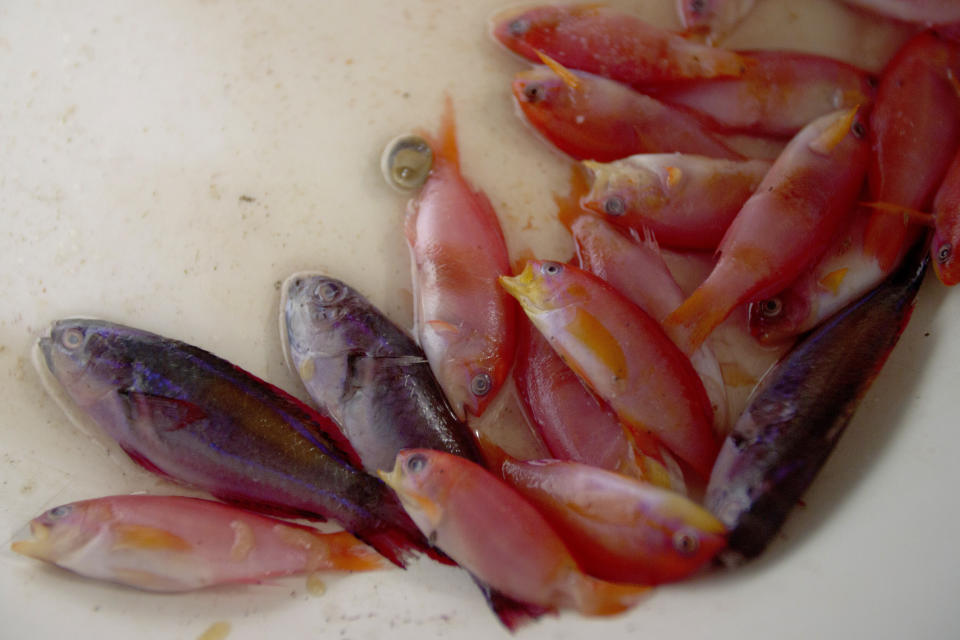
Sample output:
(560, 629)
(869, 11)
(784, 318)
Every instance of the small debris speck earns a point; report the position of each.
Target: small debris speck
(246, 198)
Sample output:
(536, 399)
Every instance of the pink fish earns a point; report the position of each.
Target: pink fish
(915, 132)
(173, 543)
(803, 201)
(945, 244)
(778, 93)
(619, 528)
(613, 44)
(686, 200)
(623, 355)
(465, 322)
(593, 118)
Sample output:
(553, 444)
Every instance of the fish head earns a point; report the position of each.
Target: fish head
(548, 99)
(62, 531)
(943, 251)
(526, 30)
(617, 189)
(542, 286)
(693, 535)
(87, 357)
(423, 479)
(779, 318)
(322, 317)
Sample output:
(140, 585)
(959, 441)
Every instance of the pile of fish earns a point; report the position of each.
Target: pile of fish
(652, 476)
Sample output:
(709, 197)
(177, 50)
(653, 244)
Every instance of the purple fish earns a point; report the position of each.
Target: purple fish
(801, 409)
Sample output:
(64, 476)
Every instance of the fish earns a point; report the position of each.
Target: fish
(638, 271)
(574, 424)
(489, 529)
(712, 19)
(592, 118)
(618, 528)
(800, 410)
(375, 382)
(686, 200)
(188, 415)
(367, 373)
(915, 132)
(623, 355)
(464, 322)
(804, 200)
(778, 93)
(174, 543)
(610, 43)
(928, 12)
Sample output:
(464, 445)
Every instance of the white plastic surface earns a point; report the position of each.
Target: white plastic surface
(167, 164)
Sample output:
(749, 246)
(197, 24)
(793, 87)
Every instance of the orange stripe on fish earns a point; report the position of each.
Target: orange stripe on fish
(674, 174)
(909, 215)
(136, 536)
(591, 332)
(442, 326)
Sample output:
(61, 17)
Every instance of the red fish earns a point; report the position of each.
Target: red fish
(623, 356)
(945, 244)
(777, 95)
(465, 322)
(619, 528)
(802, 202)
(491, 531)
(616, 45)
(915, 129)
(593, 118)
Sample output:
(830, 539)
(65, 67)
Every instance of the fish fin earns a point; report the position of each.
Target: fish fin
(565, 74)
(696, 318)
(595, 597)
(832, 281)
(146, 464)
(442, 326)
(512, 613)
(149, 581)
(909, 215)
(568, 206)
(163, 412)
(346, 553)
(445, 144)
(673, 177)
(147, 538)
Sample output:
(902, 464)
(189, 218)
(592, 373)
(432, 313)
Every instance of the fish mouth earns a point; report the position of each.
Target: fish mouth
(37, 545)
(289, 283)
(525, 288)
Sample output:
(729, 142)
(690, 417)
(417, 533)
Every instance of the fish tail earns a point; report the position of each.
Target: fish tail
(446, 144)
(690, 323)
(346, 553)
(568, 206)
(513, 614)
(595, 597)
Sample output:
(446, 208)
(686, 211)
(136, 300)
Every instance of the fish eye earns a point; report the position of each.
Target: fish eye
(551, 268)
(60, 512)
(614, 206)
(406, 162)
(416, 463)
(771, 307)
(72, 338)
(686, 542)
(859, 131)
(944, 252)
(328, 291)
(533, 93)
(519, 27)
(698, 6)
(481, 384)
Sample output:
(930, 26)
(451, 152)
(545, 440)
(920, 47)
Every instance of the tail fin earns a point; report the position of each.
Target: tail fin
(594, 597)
(690, 323)
(513, 614)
